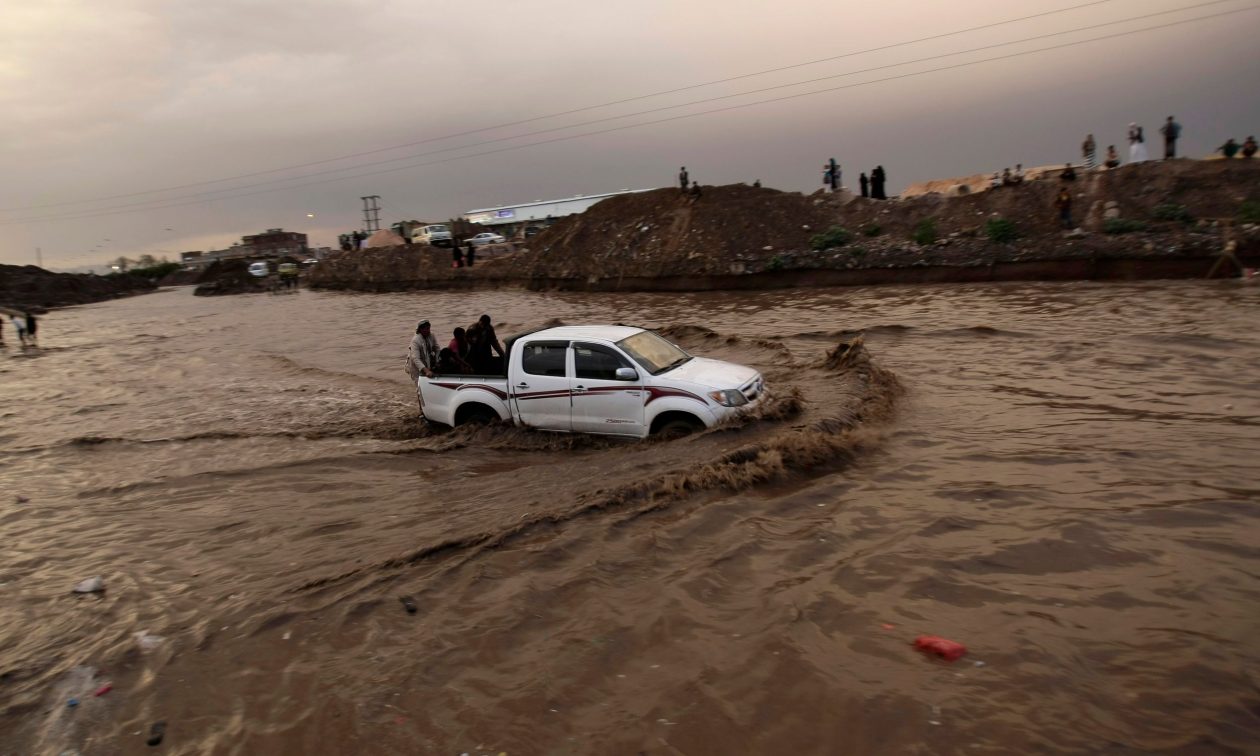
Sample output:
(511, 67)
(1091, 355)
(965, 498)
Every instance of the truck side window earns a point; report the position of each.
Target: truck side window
(544, 358)
(596, 362)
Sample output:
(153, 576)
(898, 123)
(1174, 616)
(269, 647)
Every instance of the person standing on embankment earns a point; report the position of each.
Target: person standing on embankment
(1171, 131)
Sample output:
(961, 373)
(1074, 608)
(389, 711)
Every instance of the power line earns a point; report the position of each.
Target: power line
(236, 191)
(660, 120)
(583, 109)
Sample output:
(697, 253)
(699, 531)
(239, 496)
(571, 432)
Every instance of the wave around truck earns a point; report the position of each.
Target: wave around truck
(611, 380)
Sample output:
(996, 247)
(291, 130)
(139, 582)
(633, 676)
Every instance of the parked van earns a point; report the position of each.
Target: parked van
(437, 235)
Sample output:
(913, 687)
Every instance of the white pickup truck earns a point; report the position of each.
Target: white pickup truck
(613, 380)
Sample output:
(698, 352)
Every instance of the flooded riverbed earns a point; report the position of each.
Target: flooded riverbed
(1061, 476)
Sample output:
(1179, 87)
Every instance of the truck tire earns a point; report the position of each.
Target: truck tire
(677, 427)
(477, 414)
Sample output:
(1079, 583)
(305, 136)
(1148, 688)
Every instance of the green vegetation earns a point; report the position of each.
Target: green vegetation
(1172, 212)
(155, 272)
(1001, 230)
(832, 237)
(1249, 212)
(776, 263)
(924, 232)
(1122, 226)
(872, 230)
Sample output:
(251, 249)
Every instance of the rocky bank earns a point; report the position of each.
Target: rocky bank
(25, 287)
(1147, 220)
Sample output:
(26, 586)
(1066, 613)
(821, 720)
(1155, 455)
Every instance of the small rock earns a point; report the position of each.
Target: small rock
(91, 585)
(767, 248)
(156, 733)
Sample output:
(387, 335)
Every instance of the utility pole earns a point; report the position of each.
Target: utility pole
(371, 213)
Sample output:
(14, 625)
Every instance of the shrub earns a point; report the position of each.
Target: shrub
(924, 232)
(1001, 230)
(1249, 212)
(872, 230)
(155, 272)
(776, 263)
(832, 237)
(1172, 212)
(1122, 226)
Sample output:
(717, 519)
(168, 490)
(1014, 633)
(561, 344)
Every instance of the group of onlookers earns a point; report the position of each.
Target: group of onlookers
(475, 350)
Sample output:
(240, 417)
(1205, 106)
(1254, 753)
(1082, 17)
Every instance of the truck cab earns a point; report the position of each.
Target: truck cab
(608, 380)
(435, 234)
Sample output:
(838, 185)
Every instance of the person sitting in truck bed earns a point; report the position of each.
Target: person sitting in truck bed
(460, 345)
(449, 364)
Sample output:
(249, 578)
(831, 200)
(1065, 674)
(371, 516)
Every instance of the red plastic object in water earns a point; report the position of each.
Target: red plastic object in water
(946, 649)
(107, 687)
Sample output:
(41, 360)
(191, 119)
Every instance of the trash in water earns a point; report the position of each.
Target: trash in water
(147, 641)
(156, 732)
(887, 626)
(946, 649)
(408, 603)
(107, 687)
(73, 702)
(91, 585)
(21, 499)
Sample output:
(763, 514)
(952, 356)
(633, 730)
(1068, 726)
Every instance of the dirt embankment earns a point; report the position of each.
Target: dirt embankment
(29, 287)
(739, 236)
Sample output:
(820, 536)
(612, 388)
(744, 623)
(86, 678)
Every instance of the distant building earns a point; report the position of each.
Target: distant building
(512, 220)
(272, 243)
(276, 242)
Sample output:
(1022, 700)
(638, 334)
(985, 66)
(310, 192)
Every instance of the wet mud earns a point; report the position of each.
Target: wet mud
(1061, 477)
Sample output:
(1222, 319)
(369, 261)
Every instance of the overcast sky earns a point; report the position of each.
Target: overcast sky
(116, 115)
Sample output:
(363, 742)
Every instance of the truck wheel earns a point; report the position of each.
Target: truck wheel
(677, 428)
(479, 414)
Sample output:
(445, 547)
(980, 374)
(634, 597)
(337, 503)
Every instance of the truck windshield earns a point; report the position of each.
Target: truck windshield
(655, 354)
(437, 229)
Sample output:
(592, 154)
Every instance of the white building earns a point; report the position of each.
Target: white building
(511, 220)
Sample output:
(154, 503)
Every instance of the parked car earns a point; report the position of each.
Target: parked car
(531, 231)
(486, 238)
(611, 380)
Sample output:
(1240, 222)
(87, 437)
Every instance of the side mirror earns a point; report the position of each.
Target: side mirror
(627, 374)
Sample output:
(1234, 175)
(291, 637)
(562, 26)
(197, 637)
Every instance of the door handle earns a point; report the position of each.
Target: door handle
(579, 389)
(522, 385)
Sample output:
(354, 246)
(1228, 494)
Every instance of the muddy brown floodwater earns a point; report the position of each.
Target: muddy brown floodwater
(1063, 477)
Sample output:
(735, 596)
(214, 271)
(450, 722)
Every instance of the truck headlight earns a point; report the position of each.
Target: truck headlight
(728, 398)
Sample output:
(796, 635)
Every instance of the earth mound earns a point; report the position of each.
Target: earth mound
(667, 232)
(27, 287)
